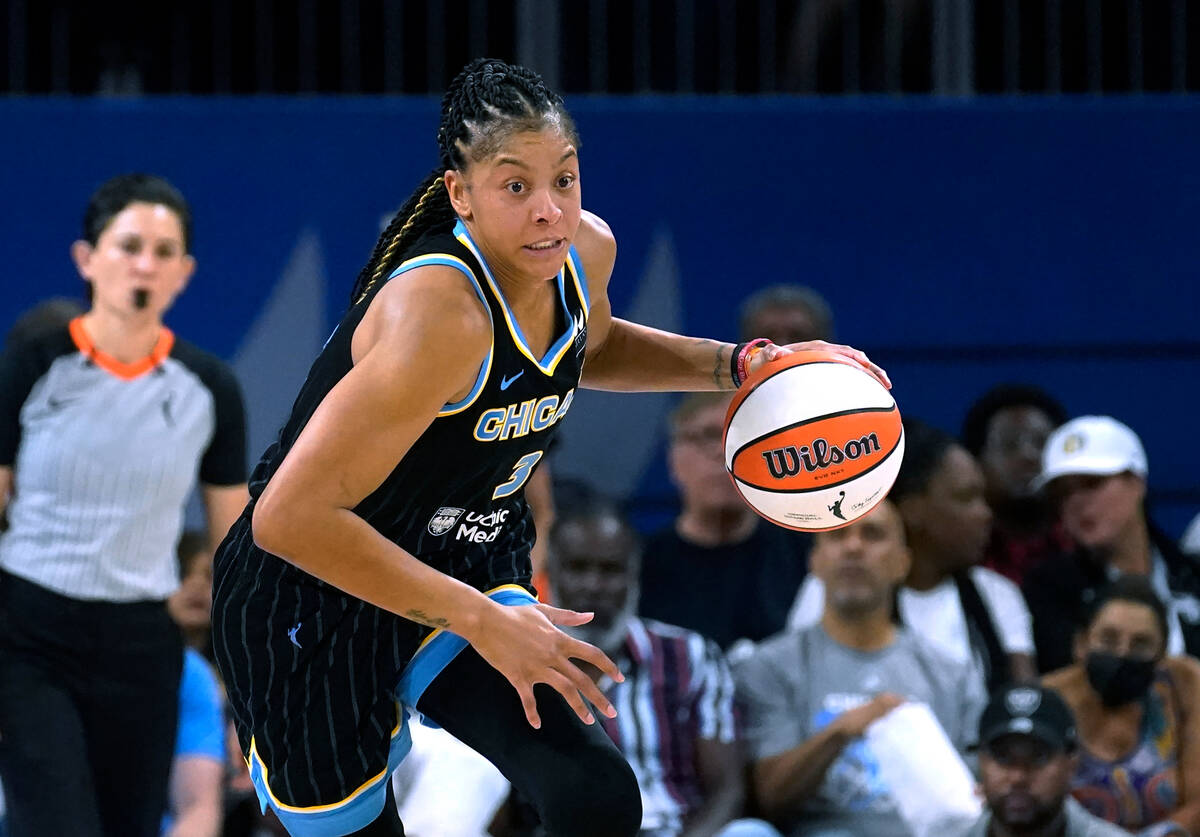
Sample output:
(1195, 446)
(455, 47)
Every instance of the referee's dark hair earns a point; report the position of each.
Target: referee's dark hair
(1002, 397)
(116, 193)
(484, 105)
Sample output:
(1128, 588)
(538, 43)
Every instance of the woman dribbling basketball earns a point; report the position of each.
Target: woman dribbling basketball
(375, 569)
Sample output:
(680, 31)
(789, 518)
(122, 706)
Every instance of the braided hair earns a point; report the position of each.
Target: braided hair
(487, 102)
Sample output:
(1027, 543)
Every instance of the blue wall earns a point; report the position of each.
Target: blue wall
(962, 243)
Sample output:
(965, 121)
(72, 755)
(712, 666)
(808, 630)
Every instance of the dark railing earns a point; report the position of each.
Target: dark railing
(944, 47)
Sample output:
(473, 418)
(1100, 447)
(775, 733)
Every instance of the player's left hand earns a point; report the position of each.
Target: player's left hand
(773, 352)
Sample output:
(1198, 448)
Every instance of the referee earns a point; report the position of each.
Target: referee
(106, 424)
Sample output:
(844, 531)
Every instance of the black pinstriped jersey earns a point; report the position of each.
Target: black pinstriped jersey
(455, 500)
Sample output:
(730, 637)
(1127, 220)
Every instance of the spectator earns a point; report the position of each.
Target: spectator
(719, 569)
(539, 493)
(198, 770)
(1190, 542)
(1006, 430)
(47, 316)
(675, 722)
(1028, 754)
(972, 614)
(1095, 470)
(191, 605)
(443, 788)
(1138, 715)
(105, 424)
(786, 314)
(243, 816)
(810, 695)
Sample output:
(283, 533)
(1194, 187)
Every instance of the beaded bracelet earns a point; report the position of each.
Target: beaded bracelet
(739, 362)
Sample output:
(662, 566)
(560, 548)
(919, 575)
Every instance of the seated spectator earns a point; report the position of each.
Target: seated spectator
(539, 493)
(443, 788)
(1095, 470)
(809, 695)
(191, 604)
(786, 314)
(676, 721)
(1027, 757)
(47, 316)
(198, 769)
(970, 613)
(1190, 542)
(195, 794)
(1006, 430)
(719, 556)
(243, 817)
(1138, 713)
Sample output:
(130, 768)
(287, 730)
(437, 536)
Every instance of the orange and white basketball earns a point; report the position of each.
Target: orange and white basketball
(813, 441)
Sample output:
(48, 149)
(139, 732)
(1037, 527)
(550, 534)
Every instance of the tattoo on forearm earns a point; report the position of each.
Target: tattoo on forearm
(721, 368)
(426, 619)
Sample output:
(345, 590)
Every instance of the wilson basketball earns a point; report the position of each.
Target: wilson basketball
(813, 441)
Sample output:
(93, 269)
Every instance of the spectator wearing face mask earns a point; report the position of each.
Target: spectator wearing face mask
(1136, 709)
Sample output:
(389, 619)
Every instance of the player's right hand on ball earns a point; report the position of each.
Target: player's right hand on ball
(773, 352)
(524, 644)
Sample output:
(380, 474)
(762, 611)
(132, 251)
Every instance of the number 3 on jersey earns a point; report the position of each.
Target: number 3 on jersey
(519, 475)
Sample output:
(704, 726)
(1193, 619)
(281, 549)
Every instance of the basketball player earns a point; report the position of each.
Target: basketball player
(373, 572)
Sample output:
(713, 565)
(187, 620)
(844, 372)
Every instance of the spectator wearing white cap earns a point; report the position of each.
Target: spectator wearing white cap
(1095, 470)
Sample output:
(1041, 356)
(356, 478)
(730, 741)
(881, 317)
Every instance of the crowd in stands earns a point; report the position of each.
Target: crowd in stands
(1012, 611)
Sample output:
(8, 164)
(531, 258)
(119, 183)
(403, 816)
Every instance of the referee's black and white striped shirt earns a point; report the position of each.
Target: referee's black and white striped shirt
(104, 455)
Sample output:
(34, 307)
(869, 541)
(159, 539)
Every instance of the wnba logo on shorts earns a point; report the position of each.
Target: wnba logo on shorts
(443, 520)
(787, 462)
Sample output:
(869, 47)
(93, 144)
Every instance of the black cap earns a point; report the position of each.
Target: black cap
(1028, 710)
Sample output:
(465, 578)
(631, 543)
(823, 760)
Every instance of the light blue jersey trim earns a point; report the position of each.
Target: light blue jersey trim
(580, 277)
(441, 647)
(486, 366)
(357, 811)
(558, 350)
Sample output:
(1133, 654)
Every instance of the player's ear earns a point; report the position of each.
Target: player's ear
(460, 196)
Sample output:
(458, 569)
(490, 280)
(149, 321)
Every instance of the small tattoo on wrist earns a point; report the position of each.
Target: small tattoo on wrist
(720, 368)
(426, 619)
